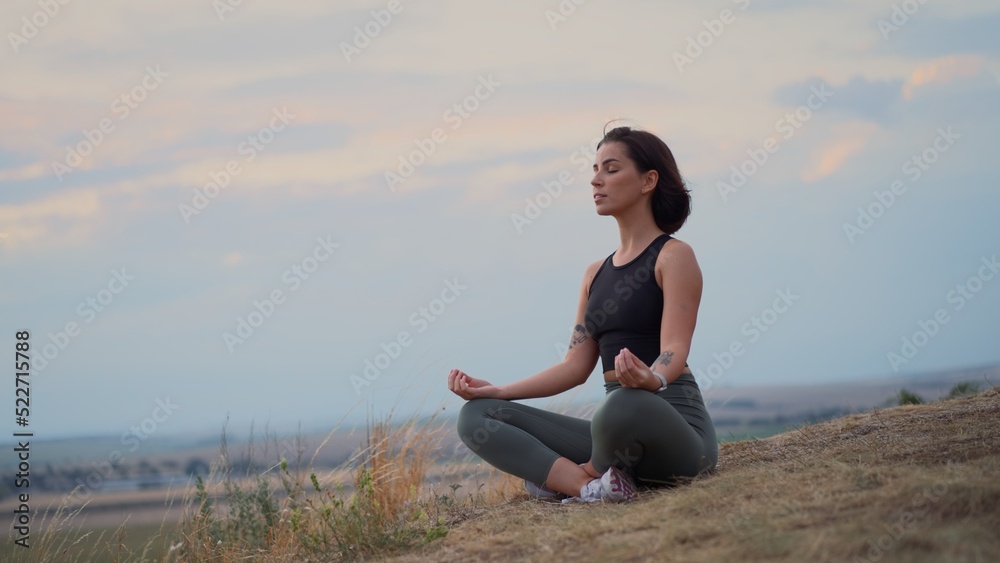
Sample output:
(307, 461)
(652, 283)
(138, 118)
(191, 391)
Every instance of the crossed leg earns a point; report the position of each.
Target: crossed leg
(632, 429)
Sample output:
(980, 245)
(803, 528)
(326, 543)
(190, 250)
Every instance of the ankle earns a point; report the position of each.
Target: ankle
(567, 477)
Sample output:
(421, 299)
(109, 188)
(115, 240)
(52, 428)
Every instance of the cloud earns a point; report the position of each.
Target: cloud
(59, 219)
(925, 36)
(847, 140)
(872, 100)
(28, 171)
(355, 120)
(942, 71)
(232, 259)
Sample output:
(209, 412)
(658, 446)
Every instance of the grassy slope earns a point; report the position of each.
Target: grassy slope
(915, 483)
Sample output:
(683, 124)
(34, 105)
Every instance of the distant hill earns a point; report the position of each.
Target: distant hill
(764, 410)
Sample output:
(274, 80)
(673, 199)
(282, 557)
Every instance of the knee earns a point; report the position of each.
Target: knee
(474, 416)
(618, 411)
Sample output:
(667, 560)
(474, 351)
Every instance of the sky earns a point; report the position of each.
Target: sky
(291, 212)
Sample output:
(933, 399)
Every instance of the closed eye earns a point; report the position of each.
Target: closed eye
(607, 162)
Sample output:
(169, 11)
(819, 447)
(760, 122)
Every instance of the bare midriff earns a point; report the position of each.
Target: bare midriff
(609, 376)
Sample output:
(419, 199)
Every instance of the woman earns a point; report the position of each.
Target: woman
(637, 312)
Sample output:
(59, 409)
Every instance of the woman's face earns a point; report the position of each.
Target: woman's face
(617, 183)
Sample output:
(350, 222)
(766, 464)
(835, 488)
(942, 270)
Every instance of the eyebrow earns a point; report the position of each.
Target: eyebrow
(607, 160)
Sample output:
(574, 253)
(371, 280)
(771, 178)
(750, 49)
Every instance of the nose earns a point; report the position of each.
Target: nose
(595, 181)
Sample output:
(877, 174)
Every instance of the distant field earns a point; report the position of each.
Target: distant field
(99, 545)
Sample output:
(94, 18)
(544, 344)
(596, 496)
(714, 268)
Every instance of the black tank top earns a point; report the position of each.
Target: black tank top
(625, 307)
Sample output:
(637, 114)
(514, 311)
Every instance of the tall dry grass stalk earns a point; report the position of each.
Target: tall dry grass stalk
(60, 534)
(378, 503)
(397, 459)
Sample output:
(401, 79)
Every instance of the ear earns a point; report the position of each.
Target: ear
(649, 180)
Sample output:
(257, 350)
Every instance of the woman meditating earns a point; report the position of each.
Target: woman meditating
(637, 312)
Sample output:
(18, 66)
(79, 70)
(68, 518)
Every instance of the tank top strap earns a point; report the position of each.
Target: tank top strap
(654, 248)
(659, 241)
(657, 245)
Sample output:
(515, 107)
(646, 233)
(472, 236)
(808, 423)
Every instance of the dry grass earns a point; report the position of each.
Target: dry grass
(59, 534)
(914, 483)
(290, 515)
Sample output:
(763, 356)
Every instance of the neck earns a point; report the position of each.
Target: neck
(637, 228)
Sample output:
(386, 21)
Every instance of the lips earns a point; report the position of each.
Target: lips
(599, 197)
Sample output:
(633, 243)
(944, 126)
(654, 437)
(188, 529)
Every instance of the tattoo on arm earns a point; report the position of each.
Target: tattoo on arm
(579, 335)
(663, 359)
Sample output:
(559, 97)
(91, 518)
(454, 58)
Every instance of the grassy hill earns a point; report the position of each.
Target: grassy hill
(912, 483)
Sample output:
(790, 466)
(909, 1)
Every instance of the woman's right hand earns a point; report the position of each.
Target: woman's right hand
(468, 387)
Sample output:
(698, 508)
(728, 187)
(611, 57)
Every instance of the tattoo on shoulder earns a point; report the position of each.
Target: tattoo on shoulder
(579, 335)
(664, 359)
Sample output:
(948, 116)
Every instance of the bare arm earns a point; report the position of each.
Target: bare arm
(576, 366)
(682, 284)
(572, 371)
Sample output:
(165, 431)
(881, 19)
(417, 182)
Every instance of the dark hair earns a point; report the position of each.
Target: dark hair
(671, 200)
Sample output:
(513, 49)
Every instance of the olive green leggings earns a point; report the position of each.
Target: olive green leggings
(656, 437)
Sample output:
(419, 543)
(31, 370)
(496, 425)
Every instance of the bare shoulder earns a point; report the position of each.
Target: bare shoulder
(590, 273)
(677, 251)
(677, 257)
(591, 270)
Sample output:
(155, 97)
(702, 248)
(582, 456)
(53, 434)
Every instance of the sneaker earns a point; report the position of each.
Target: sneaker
(614, 486)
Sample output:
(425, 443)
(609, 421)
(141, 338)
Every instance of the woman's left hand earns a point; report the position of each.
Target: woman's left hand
(632, 372)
